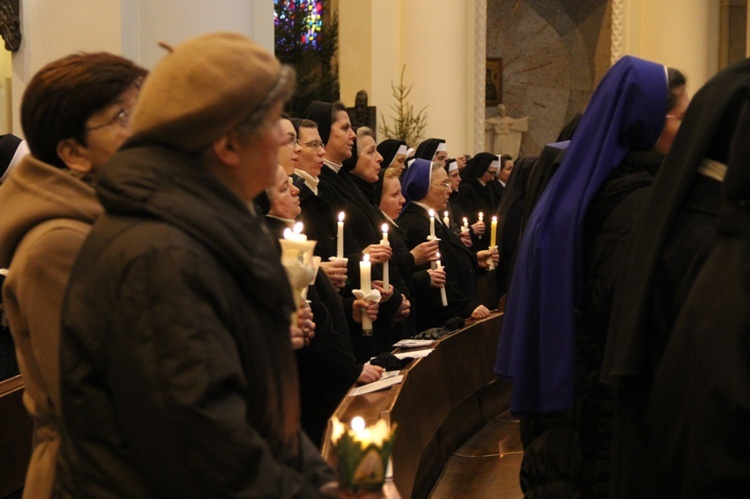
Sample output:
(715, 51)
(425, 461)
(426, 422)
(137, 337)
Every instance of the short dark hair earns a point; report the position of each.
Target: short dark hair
(336, 108)
(63, 95)
(675, 79)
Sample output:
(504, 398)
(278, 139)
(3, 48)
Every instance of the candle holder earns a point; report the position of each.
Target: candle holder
(299, 264)
(373, 296)
(490, 261)
(361, 454)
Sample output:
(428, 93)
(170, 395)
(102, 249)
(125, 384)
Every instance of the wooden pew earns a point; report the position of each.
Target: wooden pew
(16, 432)
(444, 399)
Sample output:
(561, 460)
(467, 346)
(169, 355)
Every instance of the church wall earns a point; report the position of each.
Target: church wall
(52, 29)
(553, 54)
(680, 33)
(429, 37)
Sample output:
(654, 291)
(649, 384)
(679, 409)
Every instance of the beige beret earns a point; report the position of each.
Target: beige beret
(202, 89)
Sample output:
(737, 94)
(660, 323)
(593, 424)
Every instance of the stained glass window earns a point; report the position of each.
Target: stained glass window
(303, 18)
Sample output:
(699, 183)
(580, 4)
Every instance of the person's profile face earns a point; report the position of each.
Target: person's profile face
(440, 157)
(284, 196)
(341, 139)
(290, 149)
(455, 179)
(312, 152)
(391, 200)
(673, 121)
(505, 172)
(368, 162)
(109, 128)
(440, 190)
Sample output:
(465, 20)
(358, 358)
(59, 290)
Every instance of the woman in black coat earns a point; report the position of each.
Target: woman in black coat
(426, 187)
(476, 195)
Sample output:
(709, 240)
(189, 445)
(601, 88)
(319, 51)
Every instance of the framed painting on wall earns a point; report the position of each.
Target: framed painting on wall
(493, 90)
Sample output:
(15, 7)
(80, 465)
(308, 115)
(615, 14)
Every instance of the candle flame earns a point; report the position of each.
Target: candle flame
(287, 233)
(445, 213)
(341, 216)
(297, 228)
(437, 255)
(432, 213)
(358, 424)
(494, 219)
(385, 227)
(366, 258)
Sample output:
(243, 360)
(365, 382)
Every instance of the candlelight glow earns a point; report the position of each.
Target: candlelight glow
(358, 424)
(341, 217)
(366, 258)
(385, 227)
(432, 213)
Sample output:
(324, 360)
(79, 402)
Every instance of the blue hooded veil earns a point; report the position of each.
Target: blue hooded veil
(537, 345)
(415, 181)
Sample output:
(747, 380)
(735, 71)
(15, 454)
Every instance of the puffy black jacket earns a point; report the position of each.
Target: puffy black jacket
(180, 379)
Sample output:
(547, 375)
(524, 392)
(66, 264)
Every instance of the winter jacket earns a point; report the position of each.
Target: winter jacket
(180, 379)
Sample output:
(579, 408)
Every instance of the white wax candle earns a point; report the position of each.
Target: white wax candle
(296, 234)
(446, 220)
(481, 219)
(364, 274)
(340, 237)
(432, 223)
(366, 286)
(386, 280)
(493, 232)
(443, 296)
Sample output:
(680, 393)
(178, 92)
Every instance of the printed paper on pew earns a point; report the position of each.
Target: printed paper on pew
(378, 385)
(412, 343)
(415, 354)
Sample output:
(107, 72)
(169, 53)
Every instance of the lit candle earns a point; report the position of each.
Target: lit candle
(493, 232)
(432, 224)
(446, 220)
(443, 297)
(295, 234)
(465, 227)
(386, 280)
(340, 237)
(366, 286)
(481, 219)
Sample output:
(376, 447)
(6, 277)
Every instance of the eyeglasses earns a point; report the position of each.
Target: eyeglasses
(291, 142)
(445, 185)
(122, 118)
(314, 145)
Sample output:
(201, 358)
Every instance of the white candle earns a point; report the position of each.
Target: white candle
(295, 234)
(364, 274)
(340, 237)
(481, 219)
(443, 296)
(432, 223)
(366, 287)
(493, 232)
(446, 220)
(386, 280)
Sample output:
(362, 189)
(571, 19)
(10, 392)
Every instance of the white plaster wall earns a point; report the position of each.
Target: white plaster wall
(148, 22)
(356, 49)
(680, 33)
(386, 58)
(434, 47)
(54, 28)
